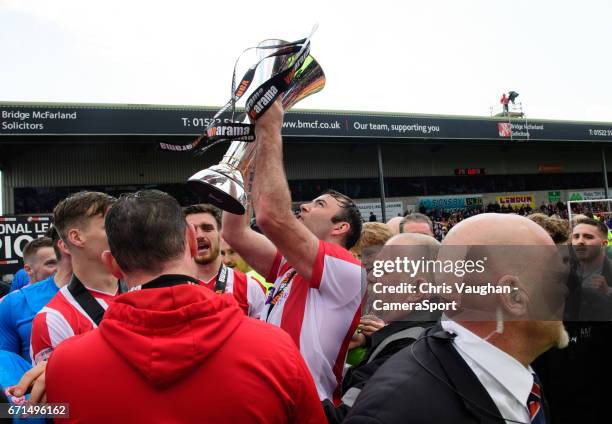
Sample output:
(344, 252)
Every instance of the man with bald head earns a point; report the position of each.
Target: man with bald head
(408, 245)
(475, 363)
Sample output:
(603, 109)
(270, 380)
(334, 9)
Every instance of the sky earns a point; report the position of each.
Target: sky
(447, 57)
(453, 57)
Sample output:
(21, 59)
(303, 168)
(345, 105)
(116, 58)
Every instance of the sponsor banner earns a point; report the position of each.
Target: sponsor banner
(587, 195)
(391, 208)
(554, 196)
(451, 202)
(100, 120)
(516, 200)
(15, 233)
(520, 130)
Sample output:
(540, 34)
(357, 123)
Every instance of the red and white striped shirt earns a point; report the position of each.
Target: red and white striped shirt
(320, 315)
(61, 319)
(249, 293)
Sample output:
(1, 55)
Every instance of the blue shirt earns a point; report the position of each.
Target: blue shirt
(17, 311)
(20, 280)
(12, 368)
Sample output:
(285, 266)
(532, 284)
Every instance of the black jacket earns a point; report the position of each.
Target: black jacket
(358, 375)
(383, 344)
(575, 377)
(441, 389)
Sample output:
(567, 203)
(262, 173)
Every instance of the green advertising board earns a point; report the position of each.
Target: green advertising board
(554, 196)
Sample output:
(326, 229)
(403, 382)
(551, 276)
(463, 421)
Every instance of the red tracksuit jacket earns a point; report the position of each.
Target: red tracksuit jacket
(182, 354)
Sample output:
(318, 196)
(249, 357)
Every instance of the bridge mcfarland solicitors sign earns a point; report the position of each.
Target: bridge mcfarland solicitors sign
(103, 120)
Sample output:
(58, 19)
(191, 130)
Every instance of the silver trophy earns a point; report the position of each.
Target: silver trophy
(223, 185)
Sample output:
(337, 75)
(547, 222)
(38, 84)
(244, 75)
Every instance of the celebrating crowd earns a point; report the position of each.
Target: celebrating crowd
(140, 310)
(444, 220)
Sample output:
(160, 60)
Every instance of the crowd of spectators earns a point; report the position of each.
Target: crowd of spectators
(444, 220)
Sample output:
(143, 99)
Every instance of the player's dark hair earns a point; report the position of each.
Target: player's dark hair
(204, 208)
(350, 214)
(145, 230)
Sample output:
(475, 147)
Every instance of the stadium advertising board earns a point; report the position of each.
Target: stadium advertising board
(449, 203)
(101, 120)
(15, 233)
(391, 209)
(587, 195)
(554, 196)
(516, 200)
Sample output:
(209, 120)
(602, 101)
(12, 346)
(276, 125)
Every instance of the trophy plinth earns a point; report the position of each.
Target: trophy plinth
(222, 186)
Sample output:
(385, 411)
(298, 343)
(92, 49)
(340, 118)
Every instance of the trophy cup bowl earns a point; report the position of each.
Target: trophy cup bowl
(223, 184)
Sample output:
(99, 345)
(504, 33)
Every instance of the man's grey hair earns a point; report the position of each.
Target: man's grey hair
(415, 217)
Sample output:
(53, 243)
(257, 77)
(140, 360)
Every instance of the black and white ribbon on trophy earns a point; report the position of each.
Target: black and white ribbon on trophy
(225, 125)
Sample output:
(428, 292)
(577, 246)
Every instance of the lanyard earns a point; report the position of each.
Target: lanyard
(273, 298)
(221, 281)
(86, 300)
(169, 280)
